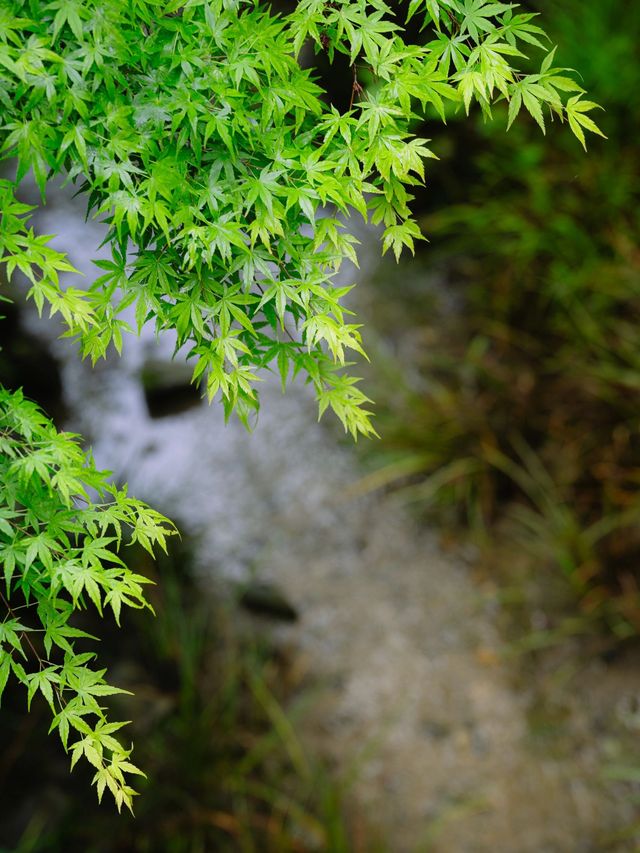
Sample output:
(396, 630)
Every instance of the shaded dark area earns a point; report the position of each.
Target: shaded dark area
(168, 392)
(265, 599)
(171, 400)
(25, 362)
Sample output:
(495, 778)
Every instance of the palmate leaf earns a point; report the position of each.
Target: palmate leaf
(396, 237)
(578, 120)
(519, 27)
(478, 16)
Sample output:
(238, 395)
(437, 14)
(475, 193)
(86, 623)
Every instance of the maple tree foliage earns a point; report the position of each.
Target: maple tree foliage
(227, 180)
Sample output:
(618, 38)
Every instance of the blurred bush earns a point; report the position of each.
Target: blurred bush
(527, 407)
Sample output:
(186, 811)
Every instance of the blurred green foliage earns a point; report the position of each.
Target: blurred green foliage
(526, 409)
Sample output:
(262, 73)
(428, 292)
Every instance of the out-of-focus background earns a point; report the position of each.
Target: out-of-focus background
(427, 643)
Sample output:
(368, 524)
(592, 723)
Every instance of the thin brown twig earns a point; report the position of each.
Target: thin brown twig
(24, 635)
(356, 88)
(41, 661)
